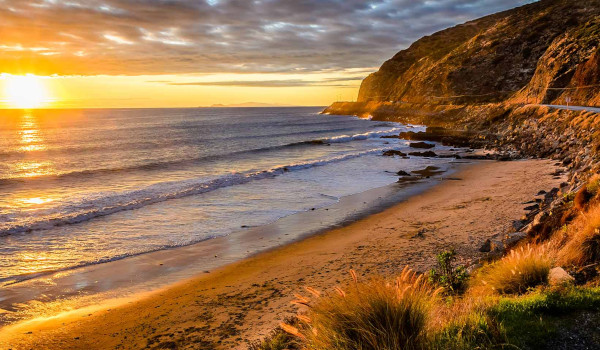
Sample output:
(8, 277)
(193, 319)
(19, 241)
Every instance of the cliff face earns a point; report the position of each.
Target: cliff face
(527, 53)
(487, 77)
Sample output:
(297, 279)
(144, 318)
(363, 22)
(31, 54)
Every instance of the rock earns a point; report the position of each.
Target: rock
(423, 154)
(451, 155)
(558, 276)
(421, 144)
(514, 238)
(477, 156)
(409, 179)
(473, 267)
(538, 220)
(503, 157)
(402, 173)
(518, 225)
(429, 171)
(548, 197)
(532, 207)
(393, 152)
(496, 248)
(486, 247)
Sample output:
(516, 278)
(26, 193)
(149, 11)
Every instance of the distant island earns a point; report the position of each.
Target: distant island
(245, 104)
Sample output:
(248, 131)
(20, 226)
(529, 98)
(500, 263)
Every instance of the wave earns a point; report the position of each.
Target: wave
(143, 144)
(190, 161)
(364, 136)
(111, 203)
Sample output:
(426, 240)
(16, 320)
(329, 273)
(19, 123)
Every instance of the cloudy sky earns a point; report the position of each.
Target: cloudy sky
(216, 51)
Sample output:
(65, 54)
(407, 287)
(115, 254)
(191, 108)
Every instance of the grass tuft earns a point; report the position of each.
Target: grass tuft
(377, 314)
(523, 268)
(583, 246)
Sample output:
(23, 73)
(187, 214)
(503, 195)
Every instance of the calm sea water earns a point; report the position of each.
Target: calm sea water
(86, 187)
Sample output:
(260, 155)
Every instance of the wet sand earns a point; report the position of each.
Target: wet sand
(243, 301)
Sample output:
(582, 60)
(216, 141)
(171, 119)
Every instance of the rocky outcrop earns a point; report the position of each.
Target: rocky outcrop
(484, 83)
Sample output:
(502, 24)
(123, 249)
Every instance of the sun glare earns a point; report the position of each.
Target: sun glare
(26, 91)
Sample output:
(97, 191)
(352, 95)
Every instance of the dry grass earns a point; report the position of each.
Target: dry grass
(371, 315)
(582, 246)
(587, 192)
(523, 268)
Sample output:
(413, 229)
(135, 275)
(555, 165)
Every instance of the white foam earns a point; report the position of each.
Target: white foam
(364, 136)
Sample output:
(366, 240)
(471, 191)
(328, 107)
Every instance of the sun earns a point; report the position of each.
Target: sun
(26, 91)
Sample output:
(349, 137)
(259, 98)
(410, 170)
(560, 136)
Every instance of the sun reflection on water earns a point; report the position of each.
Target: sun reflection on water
(30, 135)
(34, 168)
(37, 200)
(31, 139)
(36, 262)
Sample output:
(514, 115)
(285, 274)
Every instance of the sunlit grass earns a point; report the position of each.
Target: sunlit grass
(523, 268)
(583, 242)
(376, 314)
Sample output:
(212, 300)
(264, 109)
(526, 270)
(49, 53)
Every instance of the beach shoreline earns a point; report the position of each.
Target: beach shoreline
(81, 287)
(242, 301)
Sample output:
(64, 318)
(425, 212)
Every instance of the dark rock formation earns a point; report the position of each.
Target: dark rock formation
(391, 153)
(429, 171)
(421, 144)
(423, 154)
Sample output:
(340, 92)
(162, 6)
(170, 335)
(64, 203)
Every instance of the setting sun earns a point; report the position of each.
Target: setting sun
(26, 91)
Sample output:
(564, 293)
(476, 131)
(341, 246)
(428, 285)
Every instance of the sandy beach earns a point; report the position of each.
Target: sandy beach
(241, 302)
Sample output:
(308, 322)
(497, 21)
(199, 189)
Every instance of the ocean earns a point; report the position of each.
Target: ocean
(85, 187)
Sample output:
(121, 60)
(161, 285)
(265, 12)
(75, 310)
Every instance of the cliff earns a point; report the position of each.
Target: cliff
(525, 53)
(491, 75)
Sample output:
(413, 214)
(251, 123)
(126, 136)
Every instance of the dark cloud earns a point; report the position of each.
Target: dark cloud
(197, 36)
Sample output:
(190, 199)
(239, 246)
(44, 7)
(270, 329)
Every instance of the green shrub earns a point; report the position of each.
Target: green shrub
(447, 275)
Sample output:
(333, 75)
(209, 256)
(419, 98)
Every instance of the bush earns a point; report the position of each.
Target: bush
(523, 268)
(452, 278)
(376, 315)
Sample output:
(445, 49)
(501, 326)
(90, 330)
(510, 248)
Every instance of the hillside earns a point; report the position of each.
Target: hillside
(525, 53)
(491, 75)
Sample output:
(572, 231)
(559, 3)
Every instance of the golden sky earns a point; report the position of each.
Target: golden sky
(185, 53)
(155, 91)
